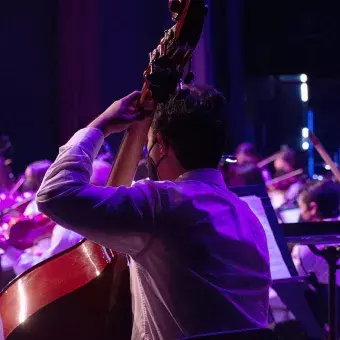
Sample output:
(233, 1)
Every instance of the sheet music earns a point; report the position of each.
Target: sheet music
(290, 215)
(278, 266)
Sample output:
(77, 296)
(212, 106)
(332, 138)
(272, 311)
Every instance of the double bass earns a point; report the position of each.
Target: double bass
(83, 293)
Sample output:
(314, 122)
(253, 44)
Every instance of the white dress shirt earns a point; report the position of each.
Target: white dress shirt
(198, 255)
(306, 261)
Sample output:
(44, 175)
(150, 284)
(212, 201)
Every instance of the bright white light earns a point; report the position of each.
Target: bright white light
(320, 178)
(27, 194)
(305, 145)
(327, 167)
(304, 92)
(230, 160)
(303, 78)
(22, 313)
(305, 132)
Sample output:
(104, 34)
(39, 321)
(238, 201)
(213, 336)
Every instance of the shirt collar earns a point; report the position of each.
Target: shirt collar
(212, 176)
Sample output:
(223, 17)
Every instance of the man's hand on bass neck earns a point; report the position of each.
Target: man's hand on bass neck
(121, 114)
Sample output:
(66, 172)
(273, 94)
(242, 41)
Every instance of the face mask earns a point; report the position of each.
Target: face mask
(152, 167)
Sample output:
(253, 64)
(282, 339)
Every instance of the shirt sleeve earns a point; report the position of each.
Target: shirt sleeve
(303, 259)
(119, 218)
(31, 209)
(61, 240)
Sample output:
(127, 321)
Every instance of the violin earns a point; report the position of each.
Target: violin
(87, 286)
(15, 207)
(27, 231)
(284, 181)
(12, 202)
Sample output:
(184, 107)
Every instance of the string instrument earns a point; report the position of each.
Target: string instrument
(277, 187)
(83, 293)
(12, 202)
(269, 160)
(27, 231)
(289, 177)
(15, 207)
(324, 155)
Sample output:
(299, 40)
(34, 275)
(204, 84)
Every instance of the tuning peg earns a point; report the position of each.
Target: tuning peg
(189, 78)
(175, 6)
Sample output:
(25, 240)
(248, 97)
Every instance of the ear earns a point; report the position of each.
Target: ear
(313, 209)
(162, 144)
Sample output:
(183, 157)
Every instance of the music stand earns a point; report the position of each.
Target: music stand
(331, 254)
(287, 284)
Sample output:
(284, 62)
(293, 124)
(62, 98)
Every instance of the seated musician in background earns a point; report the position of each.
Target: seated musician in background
(319, 201)
(284, 164)
(61, 238)
(34, 175)
(198, 255)
(246, 174)
(106, 154)
(246, 154)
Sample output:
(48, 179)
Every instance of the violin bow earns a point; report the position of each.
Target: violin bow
(284, 177)
(324, 155)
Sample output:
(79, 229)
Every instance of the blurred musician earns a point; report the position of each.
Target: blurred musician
(284, 164)
(246, 153)
(34, 175)
(106, 154)
(61, 238)
(318, 201)
(284, 188)
(246, 174)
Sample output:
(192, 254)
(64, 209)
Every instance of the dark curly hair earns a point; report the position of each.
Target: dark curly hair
(194, 126)
(326, 195)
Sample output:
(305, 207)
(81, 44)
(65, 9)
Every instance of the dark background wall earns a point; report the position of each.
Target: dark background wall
(28, 78)
(129, 30)
(63, 62)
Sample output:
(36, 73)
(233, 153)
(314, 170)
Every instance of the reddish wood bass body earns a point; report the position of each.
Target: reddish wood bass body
(69, 297)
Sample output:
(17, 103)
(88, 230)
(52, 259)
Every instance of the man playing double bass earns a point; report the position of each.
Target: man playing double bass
(198, 256)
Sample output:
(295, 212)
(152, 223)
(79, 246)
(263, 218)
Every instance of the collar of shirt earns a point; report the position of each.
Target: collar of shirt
(211, 176)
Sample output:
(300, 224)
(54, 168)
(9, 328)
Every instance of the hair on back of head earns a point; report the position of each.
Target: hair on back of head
(194, 126)
(326, 195)
(248, 149)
